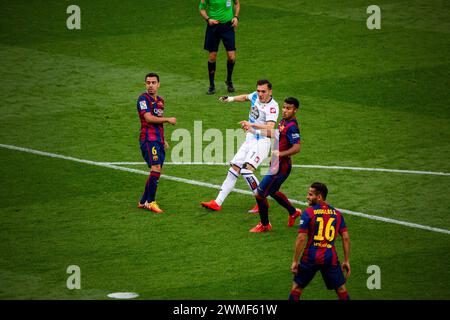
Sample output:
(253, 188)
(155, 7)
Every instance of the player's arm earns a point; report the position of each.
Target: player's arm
(289, 152)
(293, 135)
(158, 120)
(239, 98)
(268, 126)
(346, 246)
(298, 250)
(202, 8)
(237, 9)
(267, 130)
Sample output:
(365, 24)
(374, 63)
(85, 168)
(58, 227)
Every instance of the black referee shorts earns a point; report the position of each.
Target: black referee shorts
(217, 32)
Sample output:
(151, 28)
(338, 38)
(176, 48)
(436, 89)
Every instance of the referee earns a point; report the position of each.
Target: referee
(222, 16)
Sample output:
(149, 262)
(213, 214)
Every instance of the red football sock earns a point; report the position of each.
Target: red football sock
(343, 295)
(295, 295)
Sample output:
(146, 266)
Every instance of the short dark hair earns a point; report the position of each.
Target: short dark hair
(263, 82)
(293, 101)
(320, 188)
(151, 75)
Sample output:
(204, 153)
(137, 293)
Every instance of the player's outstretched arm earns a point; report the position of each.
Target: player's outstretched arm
(345, 265)
(239, 98)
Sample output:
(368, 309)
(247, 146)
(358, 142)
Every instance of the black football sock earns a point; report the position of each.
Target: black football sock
(153, 185)
(230, 67)
(147, 188)
(263, 206)
(212, 72)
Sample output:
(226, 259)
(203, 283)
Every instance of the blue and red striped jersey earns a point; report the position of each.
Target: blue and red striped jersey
(322, 223)
(150, 131)
(289, 135)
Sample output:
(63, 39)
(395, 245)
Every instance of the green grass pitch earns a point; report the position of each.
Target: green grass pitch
(370, 98)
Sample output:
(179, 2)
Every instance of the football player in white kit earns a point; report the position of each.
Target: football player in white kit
(263, 115)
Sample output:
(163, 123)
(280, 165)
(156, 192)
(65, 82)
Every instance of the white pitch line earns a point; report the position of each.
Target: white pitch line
(311, 166)
(214, 186)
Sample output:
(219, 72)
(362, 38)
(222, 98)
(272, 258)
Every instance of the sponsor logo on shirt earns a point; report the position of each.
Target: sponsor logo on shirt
(158, 112)
(273, 110)
(295, 136)
(142, 105)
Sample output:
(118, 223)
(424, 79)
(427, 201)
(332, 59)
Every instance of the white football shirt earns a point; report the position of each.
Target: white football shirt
(261, 112)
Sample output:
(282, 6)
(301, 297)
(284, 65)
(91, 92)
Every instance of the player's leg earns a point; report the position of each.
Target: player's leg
(153, 185)
(156, 154)
(230, 180)
(212, 72)
(145, 150)
(335, 280)
(258, 152)
(264, 224)
(263, 205)
(231, 61)
(302, 278)
(212, 39)
(228, 38)
(247, 173)
(282, 200)
(296, 292)
(342, 293)
(228, 184)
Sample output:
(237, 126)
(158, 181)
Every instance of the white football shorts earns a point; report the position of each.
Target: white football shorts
(252, 151)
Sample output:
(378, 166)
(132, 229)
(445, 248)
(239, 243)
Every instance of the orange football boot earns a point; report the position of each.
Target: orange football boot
(260, 228)
(291, 219)
(212, 205)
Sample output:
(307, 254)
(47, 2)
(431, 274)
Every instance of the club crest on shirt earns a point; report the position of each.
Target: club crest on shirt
(254, 113)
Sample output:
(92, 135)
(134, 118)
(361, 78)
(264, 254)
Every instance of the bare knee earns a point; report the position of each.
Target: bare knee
(236, 168)
(258, 196)
(212, 57)
(296, 287)
(248, 166)
(341, 289)
(231, 55)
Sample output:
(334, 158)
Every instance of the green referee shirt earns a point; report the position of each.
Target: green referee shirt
(221, 10)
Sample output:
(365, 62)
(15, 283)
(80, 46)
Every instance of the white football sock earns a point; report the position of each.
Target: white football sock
(227, 186)
(250, 178)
